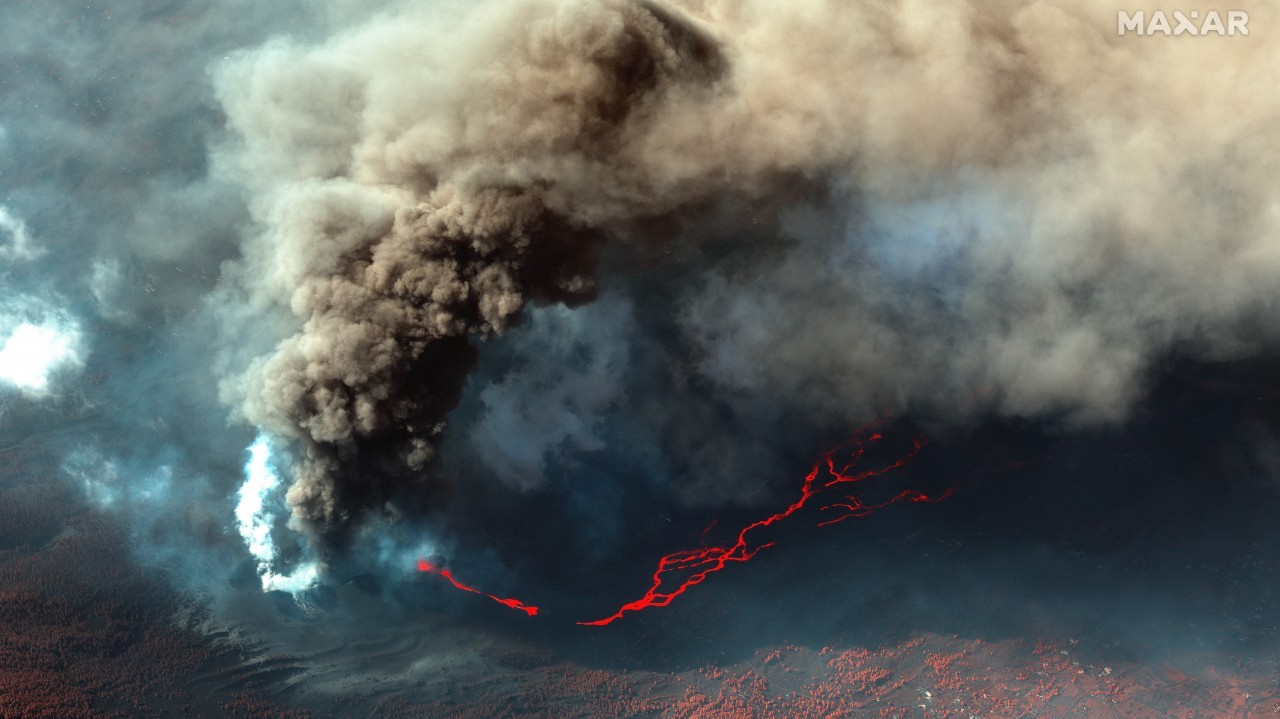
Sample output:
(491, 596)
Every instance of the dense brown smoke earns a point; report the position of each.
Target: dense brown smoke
(420, 179)
(401, 234)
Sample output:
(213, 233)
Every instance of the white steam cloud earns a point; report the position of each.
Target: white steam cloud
(31, 353)
(256, 520)
(37, 342)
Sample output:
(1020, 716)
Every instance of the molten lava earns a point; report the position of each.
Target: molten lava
(425, 566)
(835, 468)
(695, 565)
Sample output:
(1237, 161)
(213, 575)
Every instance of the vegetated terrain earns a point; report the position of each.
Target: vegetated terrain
(926, 677)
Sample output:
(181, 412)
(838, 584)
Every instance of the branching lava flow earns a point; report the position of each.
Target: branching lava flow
(695, 565)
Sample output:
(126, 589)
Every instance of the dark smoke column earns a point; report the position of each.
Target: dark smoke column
(410, 207)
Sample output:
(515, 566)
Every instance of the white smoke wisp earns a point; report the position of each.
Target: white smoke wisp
(108, 486)
(19, 245)
(256, 519)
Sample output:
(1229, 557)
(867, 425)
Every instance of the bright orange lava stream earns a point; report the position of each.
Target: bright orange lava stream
(425, 566)
(698, 564)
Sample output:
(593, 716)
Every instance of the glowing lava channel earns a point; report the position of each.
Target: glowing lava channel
(425, 566)
(698, 564)
(255, 519)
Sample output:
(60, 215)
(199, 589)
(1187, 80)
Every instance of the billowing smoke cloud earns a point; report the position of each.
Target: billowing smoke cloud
(1018, 210)
(1044, 210)
(417, 216)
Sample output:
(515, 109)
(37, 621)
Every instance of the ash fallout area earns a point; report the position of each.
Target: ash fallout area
(635, 358)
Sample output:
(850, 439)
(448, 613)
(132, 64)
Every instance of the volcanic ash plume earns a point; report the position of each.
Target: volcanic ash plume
(420, 179)
(417, 190)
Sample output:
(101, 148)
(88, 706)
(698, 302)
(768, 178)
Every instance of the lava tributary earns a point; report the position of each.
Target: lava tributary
(425, 566)
(836, 467)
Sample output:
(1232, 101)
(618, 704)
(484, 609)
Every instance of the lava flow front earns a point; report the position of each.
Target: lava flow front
(695, 565)
(425, 566)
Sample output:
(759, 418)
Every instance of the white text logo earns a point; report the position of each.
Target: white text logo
(1192, 23)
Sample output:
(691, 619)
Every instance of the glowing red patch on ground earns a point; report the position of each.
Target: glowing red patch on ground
(695, 565)
(425, 566)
